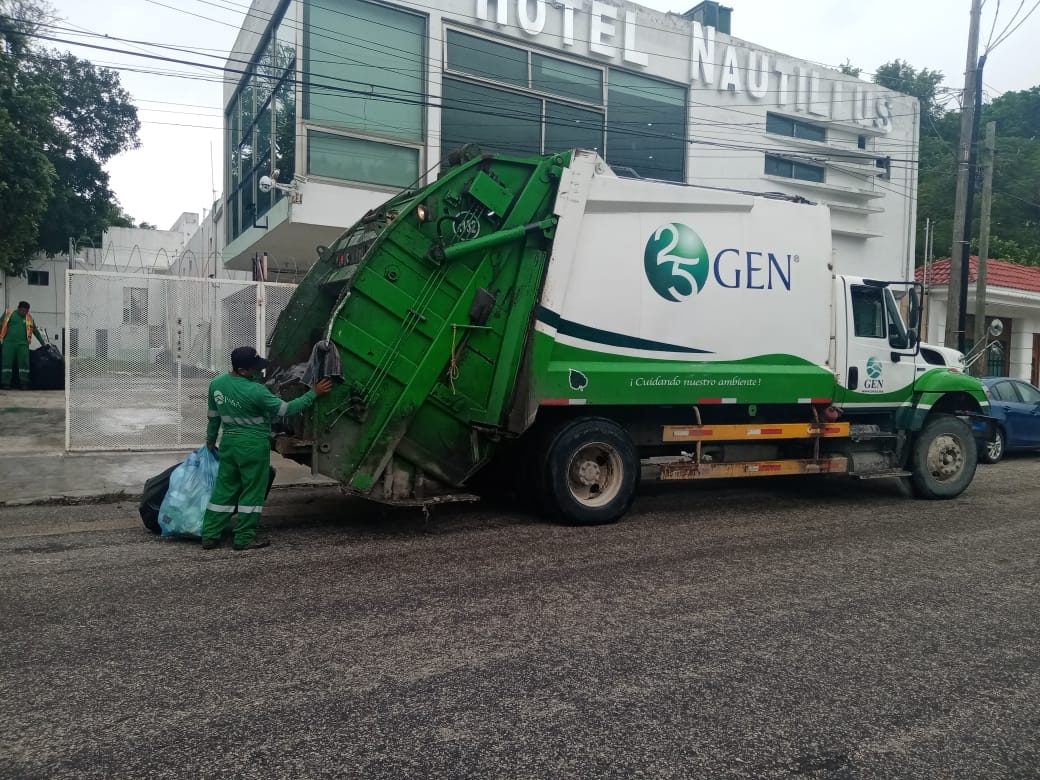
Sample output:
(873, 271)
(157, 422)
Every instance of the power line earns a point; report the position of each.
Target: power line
(407, 99)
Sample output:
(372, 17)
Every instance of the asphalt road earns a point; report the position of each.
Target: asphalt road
(796, 629)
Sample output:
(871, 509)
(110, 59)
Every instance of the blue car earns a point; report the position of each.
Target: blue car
(1016, 406)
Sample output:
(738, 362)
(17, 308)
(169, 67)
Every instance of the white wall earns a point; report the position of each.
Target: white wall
(46, 303)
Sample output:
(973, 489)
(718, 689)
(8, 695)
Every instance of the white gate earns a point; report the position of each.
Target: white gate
(142, 348)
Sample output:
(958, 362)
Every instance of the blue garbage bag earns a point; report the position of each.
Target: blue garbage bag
(191, 485)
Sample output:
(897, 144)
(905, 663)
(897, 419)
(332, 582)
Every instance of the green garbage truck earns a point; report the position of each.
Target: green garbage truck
(543, 323)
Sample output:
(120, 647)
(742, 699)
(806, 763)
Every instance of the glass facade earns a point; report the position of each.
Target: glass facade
(646, 126)
(260, 126)
(509, 99)
(364, 77)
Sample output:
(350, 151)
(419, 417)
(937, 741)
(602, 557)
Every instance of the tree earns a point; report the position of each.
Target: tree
(1015, 214)
(848, 69)
(26, 174)
(61, 120)
(921, 84)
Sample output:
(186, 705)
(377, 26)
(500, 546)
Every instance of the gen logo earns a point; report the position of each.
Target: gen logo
(874, 382)
(676, 262)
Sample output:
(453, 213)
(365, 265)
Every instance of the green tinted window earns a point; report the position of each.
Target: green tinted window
(646, 126)
(782, 125)
(566, 79)
(497, 120)
(355, 159)
(567, 127)
(779, 166)
(364, 67)
(487, 59)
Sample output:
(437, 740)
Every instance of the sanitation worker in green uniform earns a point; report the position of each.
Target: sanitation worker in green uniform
(244, 408)
(16, 331)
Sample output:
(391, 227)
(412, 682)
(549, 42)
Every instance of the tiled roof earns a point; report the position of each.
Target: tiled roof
(999, 273)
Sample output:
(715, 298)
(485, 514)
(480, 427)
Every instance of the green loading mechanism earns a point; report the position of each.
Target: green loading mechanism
(430, 299)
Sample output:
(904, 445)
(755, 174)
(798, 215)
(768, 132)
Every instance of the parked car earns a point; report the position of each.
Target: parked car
(1016, 406)
(935, 355)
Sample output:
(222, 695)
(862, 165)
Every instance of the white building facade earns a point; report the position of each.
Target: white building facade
(343, 103)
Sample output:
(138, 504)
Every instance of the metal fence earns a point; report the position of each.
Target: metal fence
(142, 348)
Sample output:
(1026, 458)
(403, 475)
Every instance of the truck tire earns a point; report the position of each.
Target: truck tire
(590, 472)
(943, 458)
(993, 450)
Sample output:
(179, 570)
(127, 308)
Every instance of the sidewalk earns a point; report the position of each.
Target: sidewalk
(35, 469)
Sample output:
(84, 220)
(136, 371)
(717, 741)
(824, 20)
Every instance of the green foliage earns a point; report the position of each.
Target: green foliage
(1015, 213)
(61, 120)
(849, 70)
(922, 84)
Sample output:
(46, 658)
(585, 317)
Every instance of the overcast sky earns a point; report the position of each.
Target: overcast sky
(179, 163)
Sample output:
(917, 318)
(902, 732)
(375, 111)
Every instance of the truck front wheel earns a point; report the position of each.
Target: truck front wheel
(944, 458)
(591, 472)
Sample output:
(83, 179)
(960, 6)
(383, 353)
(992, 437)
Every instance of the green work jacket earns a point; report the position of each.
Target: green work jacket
(245, 408)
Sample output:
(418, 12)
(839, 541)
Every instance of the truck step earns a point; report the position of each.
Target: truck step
(880, 474)
(869, 433)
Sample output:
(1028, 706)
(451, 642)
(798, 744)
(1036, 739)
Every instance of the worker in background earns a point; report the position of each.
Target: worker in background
(16, 334)
(244, 409)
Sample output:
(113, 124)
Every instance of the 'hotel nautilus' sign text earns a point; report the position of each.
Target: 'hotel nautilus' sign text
(612, 33)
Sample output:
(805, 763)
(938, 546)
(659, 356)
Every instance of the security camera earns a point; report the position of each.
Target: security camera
(266, 184)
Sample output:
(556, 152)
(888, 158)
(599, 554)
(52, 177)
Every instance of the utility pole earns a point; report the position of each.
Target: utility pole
(958, 252)
(988, 152)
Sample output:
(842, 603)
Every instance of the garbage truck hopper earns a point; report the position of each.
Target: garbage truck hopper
(428, 301)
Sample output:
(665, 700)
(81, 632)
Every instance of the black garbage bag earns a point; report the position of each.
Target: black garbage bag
(46, 368)
(155, 491)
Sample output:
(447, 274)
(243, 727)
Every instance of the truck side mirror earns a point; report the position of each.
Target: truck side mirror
(914, 311)
(911, 337)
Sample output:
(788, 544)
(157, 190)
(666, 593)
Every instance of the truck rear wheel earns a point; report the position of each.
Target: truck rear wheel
(591, 472)
(944, 458)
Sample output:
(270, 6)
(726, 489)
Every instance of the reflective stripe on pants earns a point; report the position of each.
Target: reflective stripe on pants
(241, 480)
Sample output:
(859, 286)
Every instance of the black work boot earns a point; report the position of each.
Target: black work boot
(210, 544)
(256, 544)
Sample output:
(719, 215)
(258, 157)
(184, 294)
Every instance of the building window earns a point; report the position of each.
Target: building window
(357, 159)
(487, 59)
(497, 120)
(261, 126)
(646, 125)
(135, 305)
(530, 118)
(778, 124)
(789, 169)
(39, 278)
(364, 68)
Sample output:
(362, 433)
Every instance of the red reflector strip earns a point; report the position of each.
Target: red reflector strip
(765, 467)
(830, 429)
(562, 402)
(714, 401)
(772, 431)
(814, 400)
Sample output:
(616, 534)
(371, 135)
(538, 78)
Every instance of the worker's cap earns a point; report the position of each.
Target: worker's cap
(246, 357)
